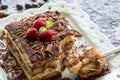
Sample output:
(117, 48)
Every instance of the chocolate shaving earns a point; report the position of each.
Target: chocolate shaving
(49, 48)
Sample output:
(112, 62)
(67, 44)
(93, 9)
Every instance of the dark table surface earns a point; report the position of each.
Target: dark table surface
(105, 13)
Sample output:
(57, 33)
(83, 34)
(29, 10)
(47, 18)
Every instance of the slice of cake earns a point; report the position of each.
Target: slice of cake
(36, 43)
(86, 61)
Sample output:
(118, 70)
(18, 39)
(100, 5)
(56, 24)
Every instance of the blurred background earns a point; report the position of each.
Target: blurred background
(105, 13)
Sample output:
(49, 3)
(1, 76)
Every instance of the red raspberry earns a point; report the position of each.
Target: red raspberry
(40, 22)
(46, 36)
(32, 34)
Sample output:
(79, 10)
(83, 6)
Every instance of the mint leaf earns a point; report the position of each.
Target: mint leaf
(49, 23)
(41, 30)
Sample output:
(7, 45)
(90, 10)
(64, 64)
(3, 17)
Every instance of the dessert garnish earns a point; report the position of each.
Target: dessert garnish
(31, 33)
(46, 35)
(49, 23)
(40, 22)
(40, 30)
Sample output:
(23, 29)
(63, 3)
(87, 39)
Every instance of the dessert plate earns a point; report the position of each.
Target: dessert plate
(81, 22)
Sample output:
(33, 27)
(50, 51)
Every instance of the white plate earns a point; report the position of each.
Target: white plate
(81, 22)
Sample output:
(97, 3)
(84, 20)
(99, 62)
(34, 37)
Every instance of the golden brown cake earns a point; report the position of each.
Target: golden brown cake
(38, 59)
(86, 61)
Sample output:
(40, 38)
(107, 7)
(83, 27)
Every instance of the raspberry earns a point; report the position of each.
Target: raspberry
(40, 22)
(46, 36)
(32, 34)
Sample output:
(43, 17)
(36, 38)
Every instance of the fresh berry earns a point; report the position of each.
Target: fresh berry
(41, 30)
(46, 35)
(40, 22)
(32, 34)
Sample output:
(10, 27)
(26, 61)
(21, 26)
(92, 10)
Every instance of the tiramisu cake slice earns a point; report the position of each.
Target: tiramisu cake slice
(36, 43)
(87, 62)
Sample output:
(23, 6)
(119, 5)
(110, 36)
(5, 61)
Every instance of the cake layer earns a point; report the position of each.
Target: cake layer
(67, 43)
(40, 60)
(87, 62)
(50, 70)
(36, 70)
(13, 70)
(35, 51)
